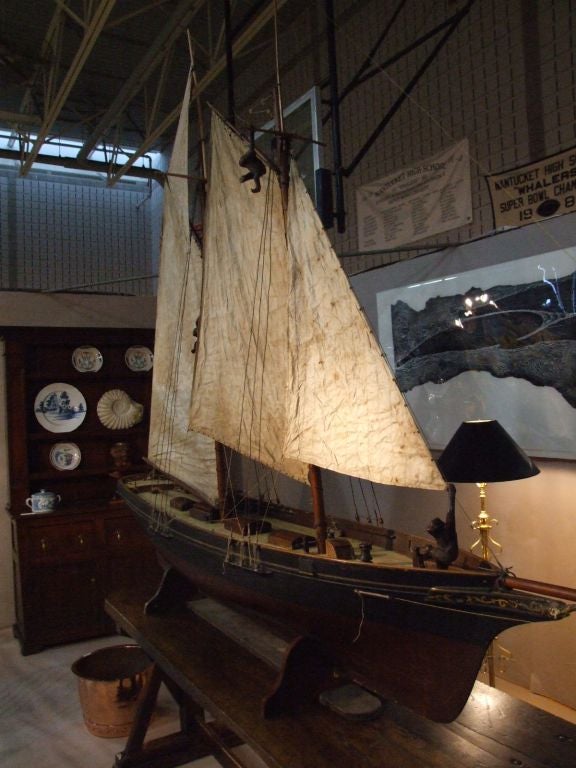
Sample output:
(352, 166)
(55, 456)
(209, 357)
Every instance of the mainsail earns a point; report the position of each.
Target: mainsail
(288, 369)
(172, 448)
(345, 411)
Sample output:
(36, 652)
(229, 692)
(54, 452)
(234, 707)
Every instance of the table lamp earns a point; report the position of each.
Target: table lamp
(483, 452)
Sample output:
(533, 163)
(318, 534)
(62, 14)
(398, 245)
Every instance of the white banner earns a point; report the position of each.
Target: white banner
(416, 202)
(534, 192)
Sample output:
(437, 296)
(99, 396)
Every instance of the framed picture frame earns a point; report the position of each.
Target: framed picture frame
(486, 330)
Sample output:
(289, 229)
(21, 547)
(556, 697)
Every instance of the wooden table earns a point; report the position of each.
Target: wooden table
(207, 671)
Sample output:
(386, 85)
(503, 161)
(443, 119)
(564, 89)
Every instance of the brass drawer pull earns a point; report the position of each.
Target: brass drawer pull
(81, 540)
(118, 535)
(43, 544)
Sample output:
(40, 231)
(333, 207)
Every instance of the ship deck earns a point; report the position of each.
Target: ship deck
(160, 503)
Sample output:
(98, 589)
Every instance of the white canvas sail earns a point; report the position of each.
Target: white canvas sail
(188, 456)
(241, 375)
(345, 411)
(288, 370)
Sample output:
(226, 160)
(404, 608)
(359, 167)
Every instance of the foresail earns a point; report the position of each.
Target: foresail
(187, 456)
(345, 411)
(240, 382)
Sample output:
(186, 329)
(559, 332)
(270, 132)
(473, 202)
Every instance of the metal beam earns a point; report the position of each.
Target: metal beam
(119, 20)
(92, 31)
(18, 118)
(229, 64)
(165, 38)
(340, 213)
(153, 110)
(86, 165)
(372, 53)
(74, 16)
(46, 53)
(238, 45)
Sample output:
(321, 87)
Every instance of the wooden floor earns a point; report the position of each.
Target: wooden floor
(225, 679)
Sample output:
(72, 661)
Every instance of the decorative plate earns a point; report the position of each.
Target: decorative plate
(87, 359)
(117, 410)
(65, 456)
(60, 407)
(139, 358)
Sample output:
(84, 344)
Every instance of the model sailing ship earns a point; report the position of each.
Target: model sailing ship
(262, 347)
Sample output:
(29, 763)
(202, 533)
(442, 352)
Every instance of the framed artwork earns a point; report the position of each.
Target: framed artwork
(485, 330)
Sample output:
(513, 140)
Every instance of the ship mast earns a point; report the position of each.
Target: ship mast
(221, 472)
(283, 164)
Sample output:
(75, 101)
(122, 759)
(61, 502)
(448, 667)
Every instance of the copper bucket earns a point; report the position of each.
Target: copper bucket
(111, 683)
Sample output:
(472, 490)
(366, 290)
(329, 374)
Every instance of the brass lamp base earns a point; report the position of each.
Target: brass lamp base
(484, 524)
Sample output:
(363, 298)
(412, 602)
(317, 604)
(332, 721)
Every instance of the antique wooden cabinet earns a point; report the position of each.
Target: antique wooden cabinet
(78, 406)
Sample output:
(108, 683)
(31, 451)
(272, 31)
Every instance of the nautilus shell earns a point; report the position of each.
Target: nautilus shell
(117, 410)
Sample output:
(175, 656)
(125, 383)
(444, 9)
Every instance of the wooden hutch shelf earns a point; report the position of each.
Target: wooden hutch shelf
(66, 561)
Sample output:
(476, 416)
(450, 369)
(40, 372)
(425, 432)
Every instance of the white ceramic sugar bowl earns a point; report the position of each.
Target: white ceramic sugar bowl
(43, 501)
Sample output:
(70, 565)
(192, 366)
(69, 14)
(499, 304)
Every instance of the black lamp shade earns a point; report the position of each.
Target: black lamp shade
(483, 452)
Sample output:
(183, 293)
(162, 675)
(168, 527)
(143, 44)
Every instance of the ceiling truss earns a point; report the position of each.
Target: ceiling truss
(141, 112)
(55, 96)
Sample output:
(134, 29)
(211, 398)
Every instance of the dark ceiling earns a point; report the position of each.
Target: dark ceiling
(114, 71)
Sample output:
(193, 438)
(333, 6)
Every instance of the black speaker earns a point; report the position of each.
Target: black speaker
(324, 200)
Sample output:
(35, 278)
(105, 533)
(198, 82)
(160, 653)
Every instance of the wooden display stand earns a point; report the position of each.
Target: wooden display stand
(207, 671)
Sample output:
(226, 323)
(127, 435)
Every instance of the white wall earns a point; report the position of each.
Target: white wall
(76, 309)
(41, 310)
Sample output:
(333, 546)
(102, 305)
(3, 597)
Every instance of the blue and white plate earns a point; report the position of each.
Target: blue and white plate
(60, 407)
(87, 359)
(139, 358)
(65, 456)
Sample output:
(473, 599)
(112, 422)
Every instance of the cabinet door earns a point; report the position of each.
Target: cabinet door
(130, 556)
(61, 603)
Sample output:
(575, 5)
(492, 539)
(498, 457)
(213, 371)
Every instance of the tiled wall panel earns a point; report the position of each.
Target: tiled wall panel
(58, 233)
(4, 229)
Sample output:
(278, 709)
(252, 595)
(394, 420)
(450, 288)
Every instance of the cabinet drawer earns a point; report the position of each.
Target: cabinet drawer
(123, 534)
(76, 541)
